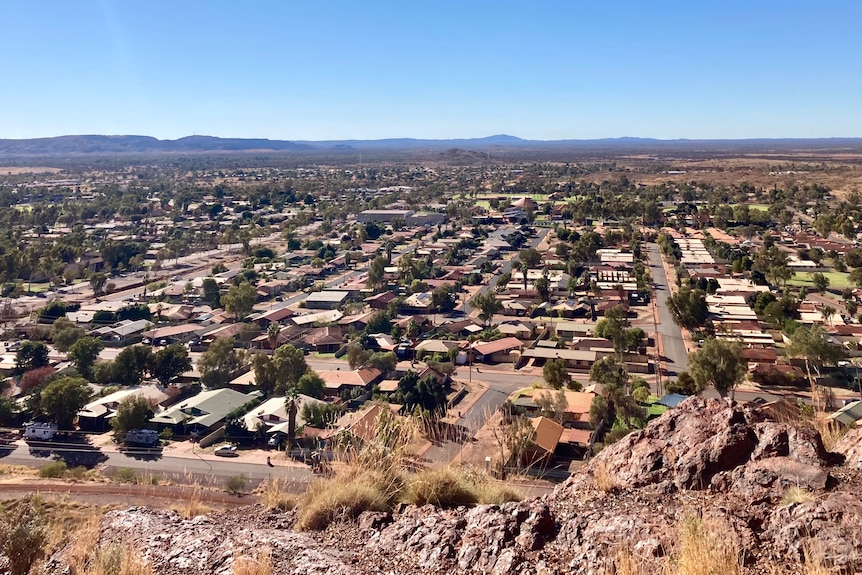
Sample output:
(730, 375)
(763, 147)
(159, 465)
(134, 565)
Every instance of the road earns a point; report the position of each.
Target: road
(170, 468)
(673, 347)
(507, 267)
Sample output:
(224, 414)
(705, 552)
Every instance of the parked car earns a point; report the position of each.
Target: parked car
(276, 439)
(226, 450)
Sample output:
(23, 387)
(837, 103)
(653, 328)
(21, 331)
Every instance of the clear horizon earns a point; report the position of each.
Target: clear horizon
(433, 70)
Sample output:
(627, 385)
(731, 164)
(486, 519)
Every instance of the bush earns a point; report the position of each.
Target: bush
(55, 469)
(125, 475)
(78, 473)
(441, 488)
(23, 533)
(344, 497)
(236, 485)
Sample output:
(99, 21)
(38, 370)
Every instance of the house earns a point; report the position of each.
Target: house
(337, 381)
(122, 333)
(326, 299)
(171, 334)
(515, 329)
(577, 410)
(310, 319)
(97, 415)
(381, 300)
(577, 359)
(203, 413)
(546, 437)
(272, 414)
(265, 319)
(324, 339)
(848, 415)
(506, 350)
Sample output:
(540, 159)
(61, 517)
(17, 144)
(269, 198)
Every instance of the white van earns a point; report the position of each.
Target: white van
(43, 431)
(143, 437)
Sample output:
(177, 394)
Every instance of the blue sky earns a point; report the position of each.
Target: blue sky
(302, 70)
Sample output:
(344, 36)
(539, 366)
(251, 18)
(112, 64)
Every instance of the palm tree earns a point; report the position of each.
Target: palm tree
(827, 312)
(272, 334)
(292, 404)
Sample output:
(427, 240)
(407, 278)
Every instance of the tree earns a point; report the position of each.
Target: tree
(264, 373)
(272, 332)
(827, 312)
(289, 366)
(821, 282)
(543, 287)
(812, 345)
(311, 384)
(239, 300)
(318, 414)
(615, 326)
(719, 364)
(97, 282)
(530, 257)
(552, 405)
(61, 400)
(442, 300)
(131, 365)
(220, 362)
(212, 293)
(683, 385)
(376, 272)
(426, 394)
(34, 378)
(555, 373)
(132, 413)
(84, 353)
(31, 355)
(65, 336)
(688, 307)
(170, 362)
(488, 305)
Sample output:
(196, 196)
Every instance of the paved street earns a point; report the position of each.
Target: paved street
(673, 347)
(209, 471)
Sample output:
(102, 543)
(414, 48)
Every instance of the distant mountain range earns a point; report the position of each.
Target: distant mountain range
(112, 145)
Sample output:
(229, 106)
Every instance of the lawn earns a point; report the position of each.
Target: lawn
(838, 280)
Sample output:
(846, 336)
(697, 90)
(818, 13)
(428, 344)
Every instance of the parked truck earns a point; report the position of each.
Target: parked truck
(142, 438)
(40, 431)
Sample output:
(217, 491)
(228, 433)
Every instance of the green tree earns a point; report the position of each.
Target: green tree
(30, 355)
(239, 300)
(132, 413)
(426, 394)
(376, 273)
(717, 364)
(61, 400)
(97, 282)
(684, 385)
(442, 300)
(264, 373)
(488, 305)
(212, 293)
(530, 257)
(821, 282)
(311, 384)
(812, 345)
(84, 353)
(289, 365)
(131, 365)
(688, 307)
(220, 362)
(65, 336)
(169, 363)
(555, 373)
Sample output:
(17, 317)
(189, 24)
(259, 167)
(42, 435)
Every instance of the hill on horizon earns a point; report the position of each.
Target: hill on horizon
(136, 144)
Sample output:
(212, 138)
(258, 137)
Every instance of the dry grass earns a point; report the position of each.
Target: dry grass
(85, 540)
(441, 488)
(705, 549)
(796, 494)
(830, 431)
(603, 477)
(273, 495)
(345, 497)
(259, 564)
(114, 559)
(194, 506)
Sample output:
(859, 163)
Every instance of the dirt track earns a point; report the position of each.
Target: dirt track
(125, 494)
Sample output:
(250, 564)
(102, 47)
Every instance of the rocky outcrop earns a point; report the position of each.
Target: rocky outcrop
(769, 487)
(850, 446)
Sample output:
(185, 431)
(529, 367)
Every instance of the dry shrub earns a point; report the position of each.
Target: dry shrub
(80, 548)
(259, 564)
(115, 559)
(830, 431)
(194, 506)
(23, 534)
(273, 495)
(603, 477)
(441, 488)
(796, 494)
(490, 492)
(705, 548)
(625, 564)
(346, 496)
